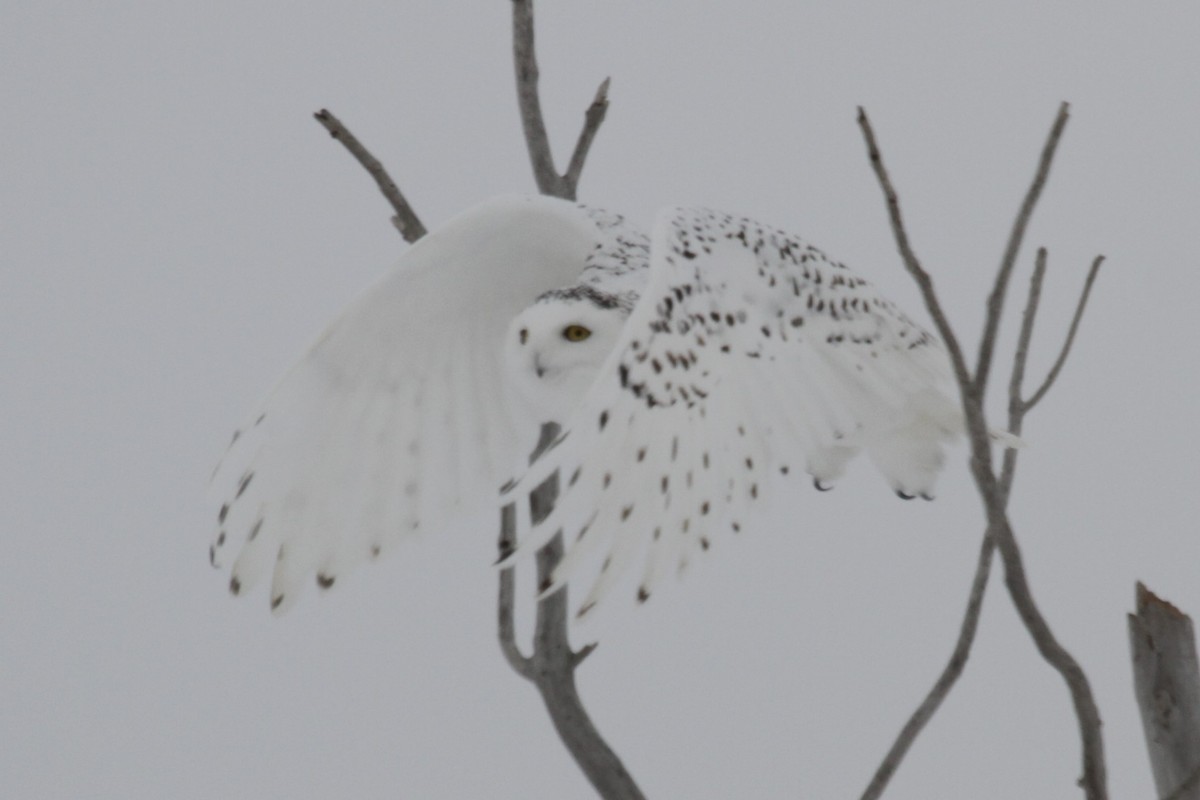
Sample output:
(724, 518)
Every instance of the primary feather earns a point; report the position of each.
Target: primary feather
(400, 412)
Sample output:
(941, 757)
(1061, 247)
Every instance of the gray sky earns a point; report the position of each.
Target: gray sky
(176, 228)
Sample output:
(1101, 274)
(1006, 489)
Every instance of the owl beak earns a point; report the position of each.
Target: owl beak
(538, 368)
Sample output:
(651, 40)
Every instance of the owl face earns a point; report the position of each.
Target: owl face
(554, 350)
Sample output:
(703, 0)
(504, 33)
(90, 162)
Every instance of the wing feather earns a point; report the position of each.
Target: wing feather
(396, 416)
(749, 353)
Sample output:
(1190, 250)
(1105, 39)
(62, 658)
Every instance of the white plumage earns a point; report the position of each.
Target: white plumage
(683, 371)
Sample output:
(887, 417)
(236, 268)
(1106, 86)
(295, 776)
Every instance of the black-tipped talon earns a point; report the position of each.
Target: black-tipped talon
(903, 496)
(821, 487)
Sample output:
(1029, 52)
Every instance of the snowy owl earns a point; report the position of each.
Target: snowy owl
(687, 372)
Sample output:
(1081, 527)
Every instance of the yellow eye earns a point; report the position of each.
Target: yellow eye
(576, 333)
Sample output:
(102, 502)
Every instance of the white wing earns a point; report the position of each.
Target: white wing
(750, 353)
(398, 411)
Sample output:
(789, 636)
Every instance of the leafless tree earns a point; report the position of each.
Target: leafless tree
(1172, 729)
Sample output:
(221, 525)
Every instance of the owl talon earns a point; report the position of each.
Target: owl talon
(821, 487)
(903, 496)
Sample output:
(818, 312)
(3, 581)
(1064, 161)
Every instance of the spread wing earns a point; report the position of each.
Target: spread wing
(750, 354)
(397, 414)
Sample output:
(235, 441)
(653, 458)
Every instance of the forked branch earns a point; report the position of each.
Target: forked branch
(549, 181)
(1066, 348)
(994, 490)
(995, 303)
(551, 664)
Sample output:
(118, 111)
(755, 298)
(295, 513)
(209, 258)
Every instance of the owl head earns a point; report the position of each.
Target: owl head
(555, 347)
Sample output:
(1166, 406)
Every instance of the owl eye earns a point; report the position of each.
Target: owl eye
(576, 333)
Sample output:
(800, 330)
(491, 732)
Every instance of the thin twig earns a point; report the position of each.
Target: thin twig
(537, 140)
(592, 119)
(945, 682)
(911, 262)
(1016, 406)
(1094, 780)
(1066, 348)
(405, 220)
(995, 302)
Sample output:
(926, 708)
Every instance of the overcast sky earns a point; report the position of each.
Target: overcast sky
(176, 228)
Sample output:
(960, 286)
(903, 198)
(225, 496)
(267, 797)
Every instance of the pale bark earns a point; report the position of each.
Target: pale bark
(1166, 679)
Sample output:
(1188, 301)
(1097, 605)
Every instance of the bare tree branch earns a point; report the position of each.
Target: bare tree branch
(1166, 678)
(554, 668)
(525, 63)
(970, 623)
(911, 262)
(1094, 780)
(552, 665)
(551, 668)
(1066, 348)
(995, 302)
(1016, 406)
(537, 139)
(945, 682)
(592, 119)
(992, 492)
(405, 220)
(1017, 409)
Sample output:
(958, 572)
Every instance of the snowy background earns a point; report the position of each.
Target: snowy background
(176, 228)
